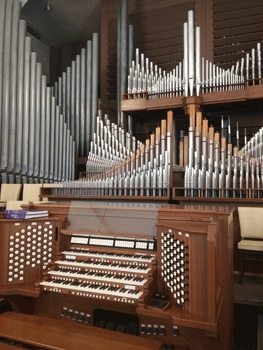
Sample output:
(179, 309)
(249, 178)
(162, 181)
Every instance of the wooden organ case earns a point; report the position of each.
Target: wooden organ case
(126, 276)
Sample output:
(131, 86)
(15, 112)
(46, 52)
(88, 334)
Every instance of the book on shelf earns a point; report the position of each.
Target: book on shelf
(25, 214)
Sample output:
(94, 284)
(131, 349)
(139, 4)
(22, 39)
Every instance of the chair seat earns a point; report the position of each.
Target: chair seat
(250, 245)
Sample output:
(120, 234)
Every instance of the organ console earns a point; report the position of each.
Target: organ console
(128, 271)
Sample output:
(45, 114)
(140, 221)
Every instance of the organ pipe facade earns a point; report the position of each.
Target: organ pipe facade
(42, 128)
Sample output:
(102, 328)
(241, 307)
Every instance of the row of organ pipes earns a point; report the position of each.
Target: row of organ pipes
(42, 128)
(76, 92)
(120, 165)
(194, 75)
(214, 168)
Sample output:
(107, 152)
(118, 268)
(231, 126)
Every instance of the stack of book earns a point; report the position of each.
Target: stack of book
(25, 214)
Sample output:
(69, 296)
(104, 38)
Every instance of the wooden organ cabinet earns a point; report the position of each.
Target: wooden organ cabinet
(121, 276)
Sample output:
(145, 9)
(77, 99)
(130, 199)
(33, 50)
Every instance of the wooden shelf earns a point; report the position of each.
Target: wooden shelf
(217, 200)
(103, 197)
(137, 104)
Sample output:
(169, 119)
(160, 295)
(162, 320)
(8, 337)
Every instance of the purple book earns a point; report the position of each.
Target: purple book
(25, 214)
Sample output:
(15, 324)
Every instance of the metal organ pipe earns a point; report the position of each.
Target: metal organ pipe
(20, 99)
(38, 119)
(118, 66)
(77, 120)
(124, 46)
(56, 146)
(88, 94)
(43, 125)
(73, 100)
(52, 137)
(6, 84)
(13, 86)
(131, 45)
(47, 133)
(26, 106)
(95, 79)
(82, 100)
(32, 115)
(2, 31)
(68, 97)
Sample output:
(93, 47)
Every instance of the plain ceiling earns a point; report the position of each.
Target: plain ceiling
(61, 22)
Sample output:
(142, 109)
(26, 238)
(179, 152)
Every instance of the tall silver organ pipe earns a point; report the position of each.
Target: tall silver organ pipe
(77, 120)
(6, 84)
(88, 95)
(2, 31)
(68, 97)
(43, 126)
(124, 46)
(56, 146)
(47, 134)
(82, 100)
(191, 52)
(13, 86)
(37, 120)
(20, 99)
(28, 112)
(26, 106)
(131, 45)
(52, 137)
(32, 115)
(95, 79)
(118, 66)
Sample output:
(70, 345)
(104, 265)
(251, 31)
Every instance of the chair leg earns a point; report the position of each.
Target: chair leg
(241, 267)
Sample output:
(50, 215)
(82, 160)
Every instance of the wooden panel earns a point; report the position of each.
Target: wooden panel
(237, 29)
(39, 331)
(236, 22)
(6, 346)
(232, 6)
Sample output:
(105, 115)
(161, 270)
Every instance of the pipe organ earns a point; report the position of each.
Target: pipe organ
(162, 273)
(194, 75)
(157, 272)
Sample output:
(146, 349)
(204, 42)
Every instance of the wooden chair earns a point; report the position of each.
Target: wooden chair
(30, 194)
(9, 192)
(251, 228)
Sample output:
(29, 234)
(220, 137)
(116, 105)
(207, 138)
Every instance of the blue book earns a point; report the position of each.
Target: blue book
(25, 214)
